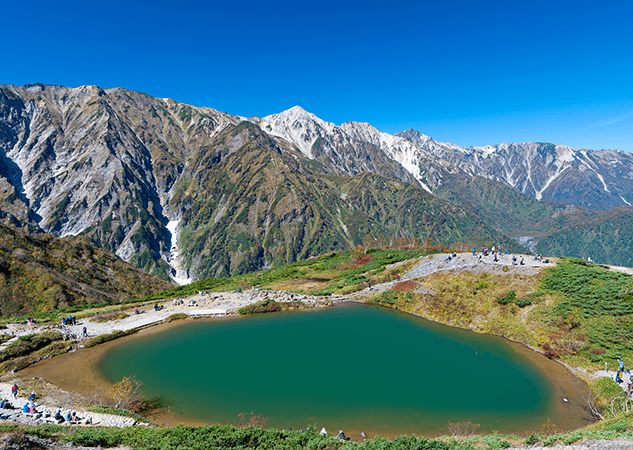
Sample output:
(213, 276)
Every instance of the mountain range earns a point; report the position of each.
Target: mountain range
(188, 192)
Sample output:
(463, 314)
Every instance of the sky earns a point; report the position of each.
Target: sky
(466, 72)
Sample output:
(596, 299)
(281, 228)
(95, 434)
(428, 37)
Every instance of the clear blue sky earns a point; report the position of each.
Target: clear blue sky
(468, 72)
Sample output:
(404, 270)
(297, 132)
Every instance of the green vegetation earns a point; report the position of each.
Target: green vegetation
(603, 235)
(244, 438)
(334, 273)
(30, 349)
(108, 337)
(29, 344)
(270, 305)
(45, 277)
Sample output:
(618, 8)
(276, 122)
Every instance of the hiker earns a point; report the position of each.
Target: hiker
(496, 259)
(341, 435)
(85, 332)
(25, 408)
(522, 263)
(474, 251)
(621, 363)
(14, 390)
(32, 396)
(323, 432)
(58, 416)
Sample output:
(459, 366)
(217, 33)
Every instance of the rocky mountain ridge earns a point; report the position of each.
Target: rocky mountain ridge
(598, 180)
(188, 192)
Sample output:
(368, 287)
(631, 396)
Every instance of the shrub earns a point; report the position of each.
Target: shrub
(268, 305)
(108, 337)
(510, 297)
(177, 316)
(26, 345)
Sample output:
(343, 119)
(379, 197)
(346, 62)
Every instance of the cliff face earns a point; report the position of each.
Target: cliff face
(99, 162)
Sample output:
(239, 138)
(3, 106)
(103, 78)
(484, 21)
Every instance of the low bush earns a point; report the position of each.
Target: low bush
(29, 344)
(108, 337)
(177, 316)
(510, 297)
(264, 306)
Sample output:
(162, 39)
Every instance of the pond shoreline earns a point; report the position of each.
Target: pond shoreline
(231, 301)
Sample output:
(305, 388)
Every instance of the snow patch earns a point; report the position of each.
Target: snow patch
(622, 198)
(604, 184)
(175, 259)
(397, 148)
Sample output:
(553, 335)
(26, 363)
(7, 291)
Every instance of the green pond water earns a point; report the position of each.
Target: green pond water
(349, 367)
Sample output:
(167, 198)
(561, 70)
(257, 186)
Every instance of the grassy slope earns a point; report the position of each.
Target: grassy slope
(39, 272)
(606, 237)
(514, 213)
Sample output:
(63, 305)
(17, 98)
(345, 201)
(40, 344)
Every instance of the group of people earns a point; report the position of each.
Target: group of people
(496, 251)
(30, 408)
(69, 417)
(340, 435)
(619, 377)
(70, 320)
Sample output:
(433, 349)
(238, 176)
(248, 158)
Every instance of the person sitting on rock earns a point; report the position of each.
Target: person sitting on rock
(25, 408)
(58, 416)
(68, 416)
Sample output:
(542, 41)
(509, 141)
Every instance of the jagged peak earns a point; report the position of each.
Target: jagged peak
(298, 126)
(297, 113)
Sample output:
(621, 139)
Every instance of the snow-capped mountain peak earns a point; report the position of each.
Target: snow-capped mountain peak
(297, 126)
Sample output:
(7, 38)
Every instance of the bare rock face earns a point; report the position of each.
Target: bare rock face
(99, 162)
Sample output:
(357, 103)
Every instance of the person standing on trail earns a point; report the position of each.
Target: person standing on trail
(14, 390)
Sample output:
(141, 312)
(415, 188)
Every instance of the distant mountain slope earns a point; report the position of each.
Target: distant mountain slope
(606, 237)
(598, 180)
(39, 272)
(516, 214)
